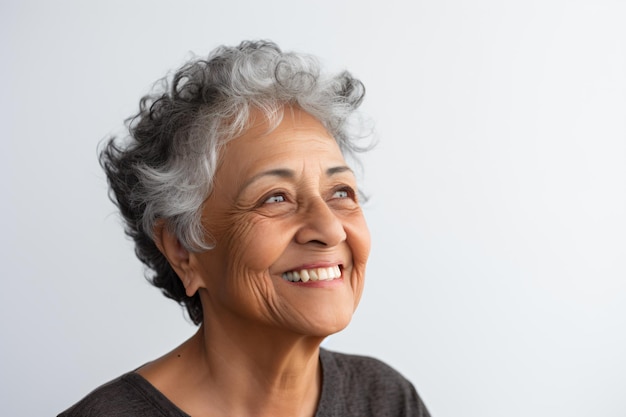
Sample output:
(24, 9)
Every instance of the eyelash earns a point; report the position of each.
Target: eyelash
(275, 195)
(347, 190)
(349, 193)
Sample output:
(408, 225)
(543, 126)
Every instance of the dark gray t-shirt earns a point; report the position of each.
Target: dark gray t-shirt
(351, 386)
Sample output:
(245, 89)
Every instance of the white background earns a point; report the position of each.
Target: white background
(497, 281)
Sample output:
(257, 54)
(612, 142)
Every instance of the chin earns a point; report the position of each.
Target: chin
(332, 325)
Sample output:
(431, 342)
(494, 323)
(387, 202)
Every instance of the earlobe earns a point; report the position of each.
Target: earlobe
(178, 257)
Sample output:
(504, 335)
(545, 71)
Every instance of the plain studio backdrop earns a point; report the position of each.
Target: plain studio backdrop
(497, 280)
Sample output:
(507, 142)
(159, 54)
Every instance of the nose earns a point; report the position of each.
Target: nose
(320, 225)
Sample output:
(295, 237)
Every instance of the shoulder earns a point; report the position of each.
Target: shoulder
(362, 370)
(127, 395)
(368, 386)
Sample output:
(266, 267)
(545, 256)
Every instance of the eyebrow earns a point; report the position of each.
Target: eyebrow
(289, 173)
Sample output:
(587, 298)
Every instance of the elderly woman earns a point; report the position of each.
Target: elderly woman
(234, 187)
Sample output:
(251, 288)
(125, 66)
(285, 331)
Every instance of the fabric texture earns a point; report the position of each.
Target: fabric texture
(351, 386)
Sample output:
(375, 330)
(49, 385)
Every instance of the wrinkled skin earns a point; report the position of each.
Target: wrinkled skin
(283, 200)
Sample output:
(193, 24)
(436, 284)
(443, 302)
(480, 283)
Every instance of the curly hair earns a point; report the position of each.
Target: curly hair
(164, 169)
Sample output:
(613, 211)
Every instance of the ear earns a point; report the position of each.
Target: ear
(178, 257)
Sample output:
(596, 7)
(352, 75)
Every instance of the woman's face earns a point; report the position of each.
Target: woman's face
(291, 239)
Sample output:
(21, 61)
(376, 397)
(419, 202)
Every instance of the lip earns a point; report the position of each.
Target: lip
(337, 282)
(316, 265)
(317, 284)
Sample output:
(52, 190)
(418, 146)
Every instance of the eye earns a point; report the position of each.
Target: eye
(275, 203)
(345, 192)
(275, 198)
(341, 194)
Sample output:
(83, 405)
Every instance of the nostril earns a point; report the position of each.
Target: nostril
(320, 226)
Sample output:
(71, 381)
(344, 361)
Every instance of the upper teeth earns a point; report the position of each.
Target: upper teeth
(313, 274)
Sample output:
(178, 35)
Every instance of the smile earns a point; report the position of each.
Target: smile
(313, 274)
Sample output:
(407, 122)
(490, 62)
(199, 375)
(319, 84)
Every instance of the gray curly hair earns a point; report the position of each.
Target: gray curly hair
(163, 171)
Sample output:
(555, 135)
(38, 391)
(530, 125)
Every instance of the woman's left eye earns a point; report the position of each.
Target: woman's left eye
(341, 194)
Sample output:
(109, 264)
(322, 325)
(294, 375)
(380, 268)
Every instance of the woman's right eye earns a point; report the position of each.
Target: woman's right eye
(275, 198)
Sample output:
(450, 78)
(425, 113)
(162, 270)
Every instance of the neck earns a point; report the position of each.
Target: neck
(232, 367)
(255, 370)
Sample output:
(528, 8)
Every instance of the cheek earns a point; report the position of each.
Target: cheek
(240, 259)
(254, 243)
(358, 238)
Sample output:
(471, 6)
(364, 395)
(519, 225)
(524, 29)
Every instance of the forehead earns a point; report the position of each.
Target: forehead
(298, 138)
